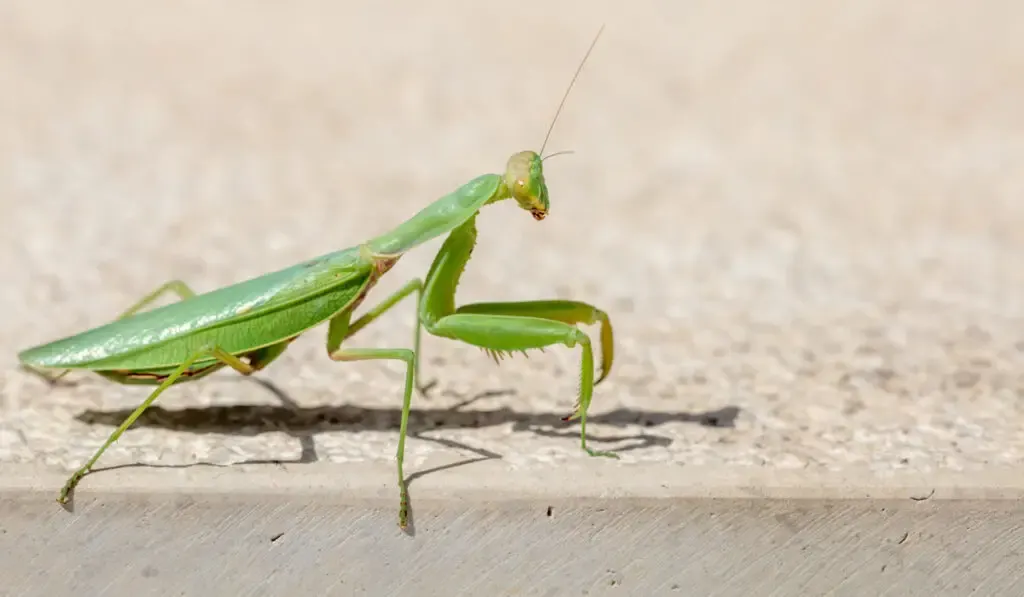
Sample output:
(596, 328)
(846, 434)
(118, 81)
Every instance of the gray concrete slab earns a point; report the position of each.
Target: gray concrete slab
(804, 219)
(487, 530)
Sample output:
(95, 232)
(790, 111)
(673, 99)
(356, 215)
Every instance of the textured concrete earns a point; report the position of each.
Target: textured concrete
(803, 217)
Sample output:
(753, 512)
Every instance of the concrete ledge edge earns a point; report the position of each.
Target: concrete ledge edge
(496, 482)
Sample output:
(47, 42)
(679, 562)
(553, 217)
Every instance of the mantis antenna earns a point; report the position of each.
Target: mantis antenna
(566, 96)
(551, 155)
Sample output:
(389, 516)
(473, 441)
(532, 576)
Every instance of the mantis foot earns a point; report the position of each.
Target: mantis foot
(69, 486)
(403, 508)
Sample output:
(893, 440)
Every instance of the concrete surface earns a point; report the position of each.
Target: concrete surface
(653, 530)
(803, 217)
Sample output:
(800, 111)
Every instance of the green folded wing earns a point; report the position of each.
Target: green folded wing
(246, 300)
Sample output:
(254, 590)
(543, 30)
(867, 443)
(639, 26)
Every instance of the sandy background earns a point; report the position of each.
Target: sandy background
(804, 219)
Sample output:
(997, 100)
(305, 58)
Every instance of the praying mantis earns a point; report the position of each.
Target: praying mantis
(247, 325)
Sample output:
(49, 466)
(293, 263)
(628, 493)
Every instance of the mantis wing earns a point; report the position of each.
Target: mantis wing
(248, 299)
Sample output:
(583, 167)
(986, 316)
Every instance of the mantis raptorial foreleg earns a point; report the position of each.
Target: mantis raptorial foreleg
(505, 327)
(507, 333)
(214, 351)
(558, 310)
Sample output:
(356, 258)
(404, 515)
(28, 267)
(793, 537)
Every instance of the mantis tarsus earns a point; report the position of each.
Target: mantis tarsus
(247, 325)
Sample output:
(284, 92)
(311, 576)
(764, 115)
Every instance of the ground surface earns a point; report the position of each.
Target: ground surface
(804, 221)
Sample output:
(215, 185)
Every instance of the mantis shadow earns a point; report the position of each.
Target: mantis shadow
(304, 422)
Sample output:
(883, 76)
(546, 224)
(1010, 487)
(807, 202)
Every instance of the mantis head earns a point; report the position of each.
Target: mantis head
(524, 174)
(524, 177)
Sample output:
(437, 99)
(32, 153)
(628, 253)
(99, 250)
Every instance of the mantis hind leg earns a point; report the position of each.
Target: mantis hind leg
(213, 351)
(176, 286)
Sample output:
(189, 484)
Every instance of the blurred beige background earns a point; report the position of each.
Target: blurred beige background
(804, 218)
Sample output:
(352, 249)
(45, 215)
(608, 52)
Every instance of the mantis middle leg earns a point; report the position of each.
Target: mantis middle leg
(414, 285)
(338, 330)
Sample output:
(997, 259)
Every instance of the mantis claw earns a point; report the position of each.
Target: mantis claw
(403, 508)
(69, 486)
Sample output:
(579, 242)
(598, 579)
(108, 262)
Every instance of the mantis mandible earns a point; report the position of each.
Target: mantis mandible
(246, 326)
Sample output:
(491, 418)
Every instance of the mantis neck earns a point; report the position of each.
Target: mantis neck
(442, 216)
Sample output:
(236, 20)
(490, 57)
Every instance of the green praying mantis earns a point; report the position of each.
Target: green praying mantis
(246, 326)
